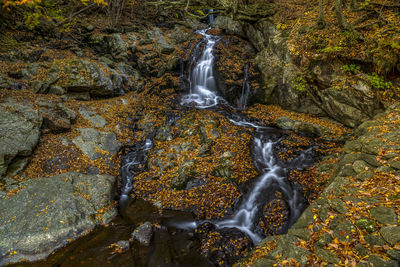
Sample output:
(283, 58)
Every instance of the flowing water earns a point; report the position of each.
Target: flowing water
(203, 91)
(175, 233)
(244, 96)
(203, 94)
(131, 165)
(274, 176)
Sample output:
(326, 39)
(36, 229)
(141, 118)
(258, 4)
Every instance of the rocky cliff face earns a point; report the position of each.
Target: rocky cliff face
(297, 84)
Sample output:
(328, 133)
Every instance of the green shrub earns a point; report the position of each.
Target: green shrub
(352, 68)
(378, 82)
(300, 84)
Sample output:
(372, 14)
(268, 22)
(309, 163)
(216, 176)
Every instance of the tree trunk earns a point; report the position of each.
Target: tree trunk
(321, 19)
(340, 16)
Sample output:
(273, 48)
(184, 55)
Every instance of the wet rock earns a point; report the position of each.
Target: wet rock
(347, 170)
(163, 134)
(376, 261)
(84, 96)
(300, 233)
(364, 175)
(80, 76)
(163, 47)
(47, 213)
(92, 141)
(343, 230)
(143, 234)
(184, 174)
(17, 165)
(115, 46)
(57, 117)
(352, 146)
(305, 219)
(124, 245)
(180, 34)
(350, 107)
(360, 166)
(287, 86)
(391, 234)
(394, 254)
(366, 224)
(325, 239)
(6, 82)
(263, 262)
(384, 215)
(327, 256)
(224, 168)
(25, 73)
(395, 164)
(372, 146)
(94, 119)
(56, 90)
(223, 245)
(338, 205)
(374, 240)
(229, 25)
(20, 130)
(288, 250)
(305, 128)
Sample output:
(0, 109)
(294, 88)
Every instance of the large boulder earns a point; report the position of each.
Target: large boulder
(80, 76)
(96, 144)
(349, 104)
(143, 234)
(57, 117)
(48, 213)
(116, 47)
(229, 25)
(19, 130)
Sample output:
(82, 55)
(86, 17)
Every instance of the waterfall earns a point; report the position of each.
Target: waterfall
(202, 82)
(211, 17)
(244, 97)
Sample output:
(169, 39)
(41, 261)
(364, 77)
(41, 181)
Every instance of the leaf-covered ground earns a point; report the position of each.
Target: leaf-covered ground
(355, 222)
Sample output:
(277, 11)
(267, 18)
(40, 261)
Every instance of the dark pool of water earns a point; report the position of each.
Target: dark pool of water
(170, 246)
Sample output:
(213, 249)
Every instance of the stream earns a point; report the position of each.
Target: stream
(174, 241)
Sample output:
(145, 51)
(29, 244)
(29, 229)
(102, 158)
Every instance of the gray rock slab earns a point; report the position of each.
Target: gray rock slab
(47, 213)
(19, 132)
(91, 141)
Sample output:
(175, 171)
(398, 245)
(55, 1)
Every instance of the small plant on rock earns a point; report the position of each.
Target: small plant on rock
(379, 82)
(352, 68)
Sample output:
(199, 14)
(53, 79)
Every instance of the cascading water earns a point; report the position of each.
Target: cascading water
(202, 82)
(244, 96)
(211, 16)
(132, 165)
(274, 175)
(203, 94)
(245, 217)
